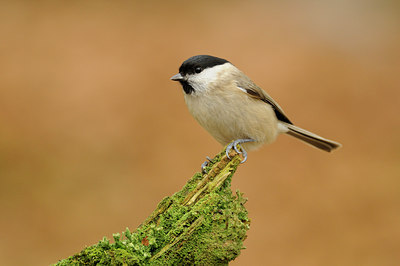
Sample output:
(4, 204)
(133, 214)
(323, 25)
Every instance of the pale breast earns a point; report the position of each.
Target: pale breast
(231, 116)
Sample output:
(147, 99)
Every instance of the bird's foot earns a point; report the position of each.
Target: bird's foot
(234, 145)
(205, 164)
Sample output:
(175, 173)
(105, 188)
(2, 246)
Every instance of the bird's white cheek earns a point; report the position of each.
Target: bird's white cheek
(202, 81)
(199, 87)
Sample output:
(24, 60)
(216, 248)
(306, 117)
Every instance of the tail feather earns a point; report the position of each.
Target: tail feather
(311, 138)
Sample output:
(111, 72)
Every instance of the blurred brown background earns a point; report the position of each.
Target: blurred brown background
(93, 134)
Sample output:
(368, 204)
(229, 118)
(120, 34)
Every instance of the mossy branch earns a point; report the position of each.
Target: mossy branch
(201, 224)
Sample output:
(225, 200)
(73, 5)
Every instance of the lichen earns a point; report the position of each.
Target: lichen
(203, 224)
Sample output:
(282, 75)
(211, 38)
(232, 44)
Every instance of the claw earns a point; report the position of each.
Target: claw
(244, 156)
(228, 149)
(204, 165)
(234, 145)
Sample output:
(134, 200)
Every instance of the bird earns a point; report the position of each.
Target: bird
(234, 110)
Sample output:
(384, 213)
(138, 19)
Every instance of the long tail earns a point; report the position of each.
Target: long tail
(310, 138)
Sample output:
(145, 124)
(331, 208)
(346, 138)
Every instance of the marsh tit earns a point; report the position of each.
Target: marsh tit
(233, 109)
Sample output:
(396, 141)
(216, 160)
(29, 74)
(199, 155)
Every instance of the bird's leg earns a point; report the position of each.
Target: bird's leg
(234, 145)
(204, 165)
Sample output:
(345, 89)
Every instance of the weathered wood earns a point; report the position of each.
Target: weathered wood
(204, 224)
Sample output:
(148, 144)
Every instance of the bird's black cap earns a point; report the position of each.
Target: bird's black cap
(198, 63)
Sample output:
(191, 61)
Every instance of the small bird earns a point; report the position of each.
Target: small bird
(233, 109)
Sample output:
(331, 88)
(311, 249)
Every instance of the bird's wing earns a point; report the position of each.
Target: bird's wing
(256, 92)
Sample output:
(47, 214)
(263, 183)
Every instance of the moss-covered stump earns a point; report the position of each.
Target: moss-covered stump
(202, 224)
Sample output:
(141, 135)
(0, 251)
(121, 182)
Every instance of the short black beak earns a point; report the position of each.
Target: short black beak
(177, 77)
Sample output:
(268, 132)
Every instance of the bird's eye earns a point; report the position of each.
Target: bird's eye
(198, 69)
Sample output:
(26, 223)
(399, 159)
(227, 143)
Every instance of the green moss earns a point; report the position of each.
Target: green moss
(203, 224)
